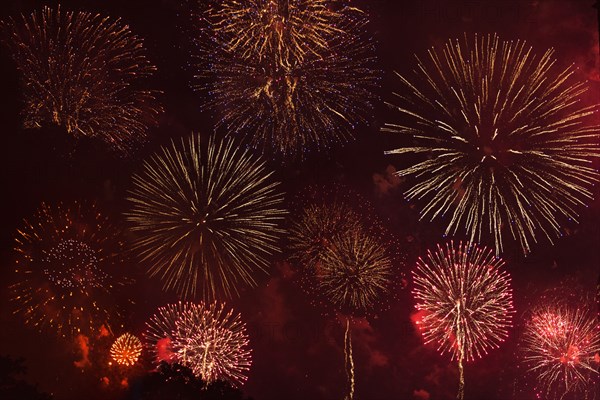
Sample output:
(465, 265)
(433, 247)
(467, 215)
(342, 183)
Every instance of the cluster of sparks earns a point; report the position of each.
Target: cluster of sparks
(207, 338)
(466, 300)
(205, 217)
(505, 140)
(126, 350)
(66, 269)
(561, 347)
(292, 74)
(83, 72)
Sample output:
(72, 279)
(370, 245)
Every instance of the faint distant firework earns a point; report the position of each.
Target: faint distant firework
(466, 300)
(83, 72)
(503, 140)
(68, 269)
(315, 226)
(561, 348)
(356, 271)
(206, 338)
(345, 258)
(290, 75)
(205, 218)
(126, 350)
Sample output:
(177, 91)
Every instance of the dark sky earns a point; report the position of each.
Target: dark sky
(298, 352)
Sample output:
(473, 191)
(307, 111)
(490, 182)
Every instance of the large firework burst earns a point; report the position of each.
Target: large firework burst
(561, 347)
(291, 75)
(204, 337)
(68, 266)
(205, 217)
(83, 72)
(466, 300)
(504, 137)
(126, 349)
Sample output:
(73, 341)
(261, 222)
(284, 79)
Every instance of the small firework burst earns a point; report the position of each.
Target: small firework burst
(68, 269)
(290, 75)
(466, 299)
(561, 348)
(207, 338)
(356, 271)
(83, 72)
(504, 139)
(205, 217)
(126, 350)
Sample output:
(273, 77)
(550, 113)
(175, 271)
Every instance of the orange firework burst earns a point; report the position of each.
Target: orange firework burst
(561, 347)
(83, 72)
(466, 299)
(126, 349)
(291, 74)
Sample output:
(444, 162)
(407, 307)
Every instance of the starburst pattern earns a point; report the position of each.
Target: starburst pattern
(205, 217)
(289, 75)
(356, 271)
(207, 338)
(504, 138)
(83, 72)
(68, 269)
(466, 300)
(126, 350)
(561, 347)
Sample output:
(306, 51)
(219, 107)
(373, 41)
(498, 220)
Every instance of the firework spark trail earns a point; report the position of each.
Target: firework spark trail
(349, 359)
(467, 301)
(83, 72)
(288, 75)
(207, 338)
(561, 347)
(126, 349)
(67, 260)
(506, 140)
(205, 216)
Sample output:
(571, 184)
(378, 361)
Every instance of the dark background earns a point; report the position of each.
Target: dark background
(298, 351)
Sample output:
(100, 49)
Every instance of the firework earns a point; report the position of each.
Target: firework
(312, 232)
(126, 349)
(205, 218)
(290, 75)
(67, 269)
(504, 138)
(356, 271)
(561, 347)
(345, 258)
(207, 338)
(466, 299)
(83, 72)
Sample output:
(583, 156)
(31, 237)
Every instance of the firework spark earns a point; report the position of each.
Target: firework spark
(126, 349)
(205, 218)
(83, 72)
(505, 139)
(561, 346)
(66, 267)
(466, 299)
(206, 338)
(290, 74)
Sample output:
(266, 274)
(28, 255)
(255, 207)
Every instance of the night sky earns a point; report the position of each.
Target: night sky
(297, 348)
